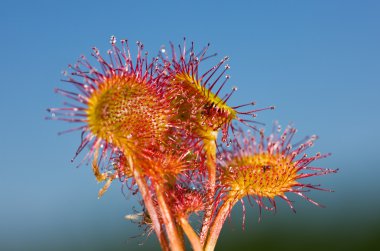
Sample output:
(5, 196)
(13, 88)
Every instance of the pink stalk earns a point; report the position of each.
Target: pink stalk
(210, 148)
(191, 234)
(147, 197)
(175, 241)
(218, 222)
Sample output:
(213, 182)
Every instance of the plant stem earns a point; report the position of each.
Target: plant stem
(191, 234)
(147, 197)
(175, 241)
(210, 148)
(218, 222)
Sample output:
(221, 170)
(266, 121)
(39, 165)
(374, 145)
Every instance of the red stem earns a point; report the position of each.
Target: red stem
(147, 197)
(210, 148)
(175, 241)
(191, 234)
(218, 222)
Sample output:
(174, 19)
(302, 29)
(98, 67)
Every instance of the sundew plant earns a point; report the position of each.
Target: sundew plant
(163, 127)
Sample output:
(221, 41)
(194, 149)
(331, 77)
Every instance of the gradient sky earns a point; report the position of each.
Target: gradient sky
(317, 61)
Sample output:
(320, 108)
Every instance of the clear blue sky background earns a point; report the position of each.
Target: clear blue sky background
(317, 61)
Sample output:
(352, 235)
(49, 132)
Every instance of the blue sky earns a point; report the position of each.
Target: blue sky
(317, 61)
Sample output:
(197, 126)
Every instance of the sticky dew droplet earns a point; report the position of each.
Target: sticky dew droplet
(229, 143)
(113, 40)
